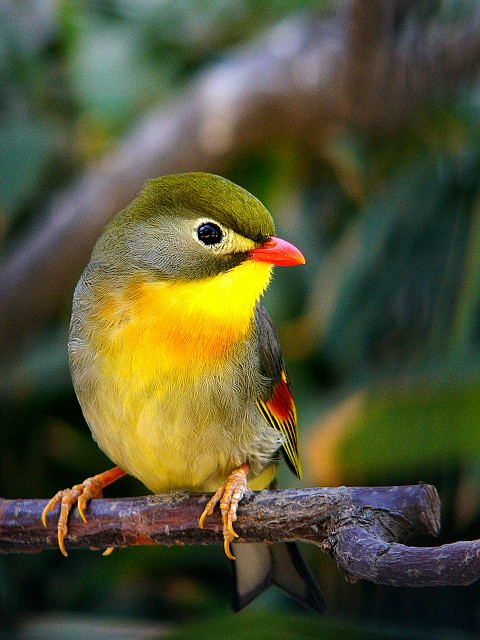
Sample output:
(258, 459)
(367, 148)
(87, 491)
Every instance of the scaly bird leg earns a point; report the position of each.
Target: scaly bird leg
(80, 494)
(229, 495)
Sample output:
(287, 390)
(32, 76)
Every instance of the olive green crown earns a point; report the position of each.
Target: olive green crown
(211, 196)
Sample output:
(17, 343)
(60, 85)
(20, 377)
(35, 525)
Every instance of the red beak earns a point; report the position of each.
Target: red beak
(277, 251)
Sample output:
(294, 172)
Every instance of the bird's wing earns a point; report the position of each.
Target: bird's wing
(276, 405)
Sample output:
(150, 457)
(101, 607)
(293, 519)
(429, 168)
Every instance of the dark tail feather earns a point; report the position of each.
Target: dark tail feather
(258, 566)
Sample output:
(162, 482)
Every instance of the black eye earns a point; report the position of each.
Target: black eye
(209, 233)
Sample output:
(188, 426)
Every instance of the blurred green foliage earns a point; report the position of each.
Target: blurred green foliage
(387, 308)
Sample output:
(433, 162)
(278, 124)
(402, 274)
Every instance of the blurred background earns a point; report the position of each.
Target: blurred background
(358, 125)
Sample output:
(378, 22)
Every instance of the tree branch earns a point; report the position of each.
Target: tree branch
(361, 528)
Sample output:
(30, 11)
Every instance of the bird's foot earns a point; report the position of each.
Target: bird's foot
(79, 494)
(229, 495)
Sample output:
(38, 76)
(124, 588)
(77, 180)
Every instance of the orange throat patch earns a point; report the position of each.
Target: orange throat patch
(156, 327)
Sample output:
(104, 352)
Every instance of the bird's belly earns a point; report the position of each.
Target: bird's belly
(173, 436)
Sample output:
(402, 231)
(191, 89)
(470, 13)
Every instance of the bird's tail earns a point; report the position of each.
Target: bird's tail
(258, 566)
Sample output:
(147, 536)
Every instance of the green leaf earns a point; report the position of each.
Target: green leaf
(398, 296)
(406, 429)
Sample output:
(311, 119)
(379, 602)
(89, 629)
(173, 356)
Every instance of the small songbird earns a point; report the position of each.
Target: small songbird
(177, 366)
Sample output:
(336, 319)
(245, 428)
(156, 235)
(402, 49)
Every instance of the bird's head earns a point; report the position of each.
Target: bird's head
(190, 226)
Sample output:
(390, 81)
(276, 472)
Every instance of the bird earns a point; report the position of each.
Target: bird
(177, 366)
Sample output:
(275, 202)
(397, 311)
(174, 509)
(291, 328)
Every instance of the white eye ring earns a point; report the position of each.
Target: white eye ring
(210, 233)
(221, 240)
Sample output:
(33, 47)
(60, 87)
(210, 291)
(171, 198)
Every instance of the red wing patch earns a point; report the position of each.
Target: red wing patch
(280, 414)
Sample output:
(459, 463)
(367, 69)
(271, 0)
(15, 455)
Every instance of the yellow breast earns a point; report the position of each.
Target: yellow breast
(153, 327)
(140, 353)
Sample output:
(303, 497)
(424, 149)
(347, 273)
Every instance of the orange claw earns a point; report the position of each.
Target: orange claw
(229, 495)
(80, 494)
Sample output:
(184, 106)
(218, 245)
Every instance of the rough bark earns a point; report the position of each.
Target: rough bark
(362, 528)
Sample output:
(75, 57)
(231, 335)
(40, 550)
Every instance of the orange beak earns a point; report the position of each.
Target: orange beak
(277, 251)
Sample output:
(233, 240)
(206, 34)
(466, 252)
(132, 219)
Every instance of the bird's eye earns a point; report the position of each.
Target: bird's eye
(209, 233)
